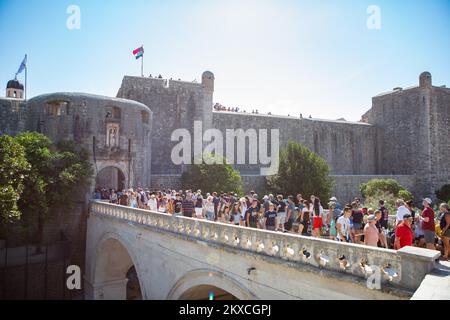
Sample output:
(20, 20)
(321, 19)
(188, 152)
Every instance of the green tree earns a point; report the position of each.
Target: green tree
(33, 203)
(374, 186)
(219, 177)
(443, 193)
(389, 201)
(390, 186)
(57, 176)
(301, 170)
(13, 170)
(388, 190)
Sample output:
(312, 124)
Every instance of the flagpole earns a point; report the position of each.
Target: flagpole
(26, 88)
(142, 62)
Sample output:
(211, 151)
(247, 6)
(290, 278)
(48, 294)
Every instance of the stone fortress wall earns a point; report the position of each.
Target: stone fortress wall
(405, 135)
(87, 119)
(414, 133)
(175, 104)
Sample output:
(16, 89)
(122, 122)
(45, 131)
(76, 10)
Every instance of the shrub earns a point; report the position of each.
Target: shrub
(443, 193)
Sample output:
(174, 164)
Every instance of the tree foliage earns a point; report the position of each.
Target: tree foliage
(301, 170)
(54, 176)
(13, 170)
(219, 177)
(443, 193)
(405, 195)
(389, 186)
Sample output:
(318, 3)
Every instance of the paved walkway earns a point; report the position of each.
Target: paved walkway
(436, 285)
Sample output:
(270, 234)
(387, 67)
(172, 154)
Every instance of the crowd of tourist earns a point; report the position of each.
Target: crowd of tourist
(219, 107)
(352, 222)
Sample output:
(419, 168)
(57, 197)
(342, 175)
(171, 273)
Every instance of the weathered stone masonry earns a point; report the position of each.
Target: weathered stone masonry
(405, 135)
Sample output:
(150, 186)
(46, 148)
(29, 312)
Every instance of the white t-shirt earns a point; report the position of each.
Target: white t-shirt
(401, 211)
(153, 205)
(209, 206)
(345, 227)
(243, 210)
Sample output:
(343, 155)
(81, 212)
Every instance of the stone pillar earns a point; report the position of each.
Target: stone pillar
(109, 290)
(416, 264)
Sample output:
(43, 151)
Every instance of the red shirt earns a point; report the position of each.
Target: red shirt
(405, 234)
(428, 212)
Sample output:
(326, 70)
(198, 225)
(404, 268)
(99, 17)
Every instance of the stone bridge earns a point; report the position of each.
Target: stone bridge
(183, 258)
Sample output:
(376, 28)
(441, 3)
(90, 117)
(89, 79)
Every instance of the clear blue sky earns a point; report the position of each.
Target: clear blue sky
(310, 57)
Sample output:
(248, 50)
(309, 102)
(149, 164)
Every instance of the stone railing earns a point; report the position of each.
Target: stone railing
(404, 268)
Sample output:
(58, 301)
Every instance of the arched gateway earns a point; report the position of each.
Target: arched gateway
(111, 178)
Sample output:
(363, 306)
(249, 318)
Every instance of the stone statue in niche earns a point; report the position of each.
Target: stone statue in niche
(112, 137)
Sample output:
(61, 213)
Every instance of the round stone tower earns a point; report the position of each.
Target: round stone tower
(425, 80)
(14, 89)
(208, 80)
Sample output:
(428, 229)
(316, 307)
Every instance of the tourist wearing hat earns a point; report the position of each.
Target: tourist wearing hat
(371, 234)
(428, 225)
(333, 215)
(334, 200)
(445, 229)
(403, 233)
(152, 203)
(209, 209)
(401, 211)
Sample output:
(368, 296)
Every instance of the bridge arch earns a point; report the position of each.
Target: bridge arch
(198, 282)
(113, 262)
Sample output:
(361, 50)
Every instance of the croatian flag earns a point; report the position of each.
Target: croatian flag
(139, 52)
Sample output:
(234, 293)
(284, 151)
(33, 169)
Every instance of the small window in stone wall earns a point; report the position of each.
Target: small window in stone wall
(57, 108)
(145, 116)
(116, 112)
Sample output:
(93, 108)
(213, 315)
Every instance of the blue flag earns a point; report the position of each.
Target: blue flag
(23, 65)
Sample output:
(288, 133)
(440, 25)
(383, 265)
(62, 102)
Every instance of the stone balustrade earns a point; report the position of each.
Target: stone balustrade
(404, 268)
